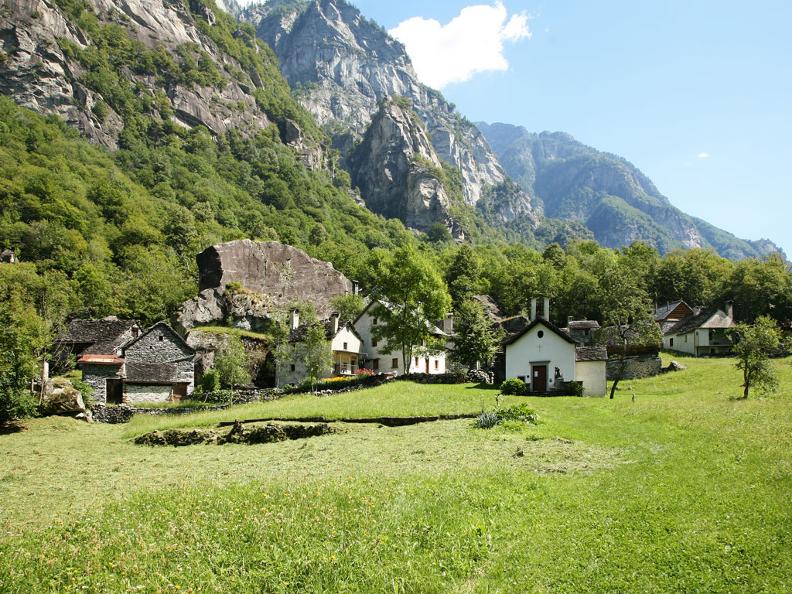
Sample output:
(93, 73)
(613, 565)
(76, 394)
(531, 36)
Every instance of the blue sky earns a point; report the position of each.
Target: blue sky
(698, 94)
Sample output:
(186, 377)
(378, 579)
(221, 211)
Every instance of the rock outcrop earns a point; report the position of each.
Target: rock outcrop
(39, 67)
(344, 65)
(612, 197)
(245, 283)
(398, 171)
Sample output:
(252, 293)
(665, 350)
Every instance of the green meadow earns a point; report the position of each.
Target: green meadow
(682, 488)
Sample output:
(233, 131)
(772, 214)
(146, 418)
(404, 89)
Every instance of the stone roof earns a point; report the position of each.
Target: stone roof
(491, 308)
(591, 353)
(103, 359)
(151, 373)
(583, 325)
(707, 319)
(106, 330)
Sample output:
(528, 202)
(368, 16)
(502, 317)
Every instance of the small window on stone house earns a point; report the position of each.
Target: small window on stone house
(293, 367)
(395, 364)
(346, 347)
(375, 364)
(161, 338)
(374, 342)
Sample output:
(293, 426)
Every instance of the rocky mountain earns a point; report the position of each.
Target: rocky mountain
(612, 197)
(398, 170)
(343, 66)
(126, 58)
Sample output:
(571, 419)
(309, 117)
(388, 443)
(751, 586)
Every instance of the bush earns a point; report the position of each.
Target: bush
(520, 412)
(576, 389)
(210, 382)
(514, 387)
(515, 414)
(487, 420)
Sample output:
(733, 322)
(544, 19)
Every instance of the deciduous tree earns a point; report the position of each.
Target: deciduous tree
(754, 346)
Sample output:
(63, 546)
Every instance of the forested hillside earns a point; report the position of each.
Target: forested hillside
(114, 230)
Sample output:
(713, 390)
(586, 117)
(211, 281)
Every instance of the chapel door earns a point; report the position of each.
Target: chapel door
(539, 382)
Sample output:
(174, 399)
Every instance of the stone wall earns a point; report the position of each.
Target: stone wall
(96, 376)
(637, 367)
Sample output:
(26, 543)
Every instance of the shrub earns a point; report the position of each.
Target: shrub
(520, 412)
(487, 420)
(514, 387)
(576, 389)
(210, 382)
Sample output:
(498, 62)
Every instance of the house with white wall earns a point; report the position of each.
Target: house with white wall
(703, 334)
(346, 347)
(383, 360)
(548, 359)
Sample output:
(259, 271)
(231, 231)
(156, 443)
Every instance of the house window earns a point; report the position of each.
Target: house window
(437, 364)
(293, 367)
(672, 342)
(161, 338)
(540, 334)
(375, 364)
(346, 348)
(395, 364)
(374, 322)
(686, 337)
(374, 342)
(416, 360)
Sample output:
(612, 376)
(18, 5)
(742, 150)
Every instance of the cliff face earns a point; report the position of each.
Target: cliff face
(612, 197)
(54, 62)
(344, 65)
(398, 171)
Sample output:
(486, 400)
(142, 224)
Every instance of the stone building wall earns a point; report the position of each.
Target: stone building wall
(637, 367)
(96, 377)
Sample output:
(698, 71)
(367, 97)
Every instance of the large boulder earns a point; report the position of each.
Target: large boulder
(63, 400)
(281, 273)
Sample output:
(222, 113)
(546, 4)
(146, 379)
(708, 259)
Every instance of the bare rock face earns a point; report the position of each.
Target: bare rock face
(344, 65)
(38, 73)
(396, 169)
(281, 272)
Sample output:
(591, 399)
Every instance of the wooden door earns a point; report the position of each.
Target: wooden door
(539, 382)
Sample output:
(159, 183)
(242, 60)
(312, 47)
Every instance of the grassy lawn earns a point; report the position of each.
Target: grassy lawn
(684, 489)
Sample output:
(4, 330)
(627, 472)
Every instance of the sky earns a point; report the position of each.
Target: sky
(697, 94)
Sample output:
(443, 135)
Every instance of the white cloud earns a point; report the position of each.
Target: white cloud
(470, 43)
(703, 156)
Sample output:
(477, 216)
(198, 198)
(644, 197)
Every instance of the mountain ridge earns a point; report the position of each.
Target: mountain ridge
(606, 192)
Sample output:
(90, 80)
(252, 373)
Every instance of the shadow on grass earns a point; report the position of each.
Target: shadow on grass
(9, 428)
(493, 387)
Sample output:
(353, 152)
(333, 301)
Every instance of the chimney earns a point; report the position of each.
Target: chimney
(533, 309)
(448, 323)
(730, 309)
(295, 319)
(355, 287)
(546, 315)
(334, 322)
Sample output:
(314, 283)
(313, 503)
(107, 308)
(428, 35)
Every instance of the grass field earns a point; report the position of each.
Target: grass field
(685, 489)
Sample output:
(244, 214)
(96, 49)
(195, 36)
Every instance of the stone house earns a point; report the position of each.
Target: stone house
(548, 359)
(92, 337)
(156, 366)
(705, 333)
(582, 331)
(8, 257)
(380, 360)
(346, 347)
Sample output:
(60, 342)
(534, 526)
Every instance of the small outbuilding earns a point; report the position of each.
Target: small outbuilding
(549, 360)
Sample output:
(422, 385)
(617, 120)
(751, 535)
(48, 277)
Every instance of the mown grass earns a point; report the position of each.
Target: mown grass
(398, 399)
(683, 490)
